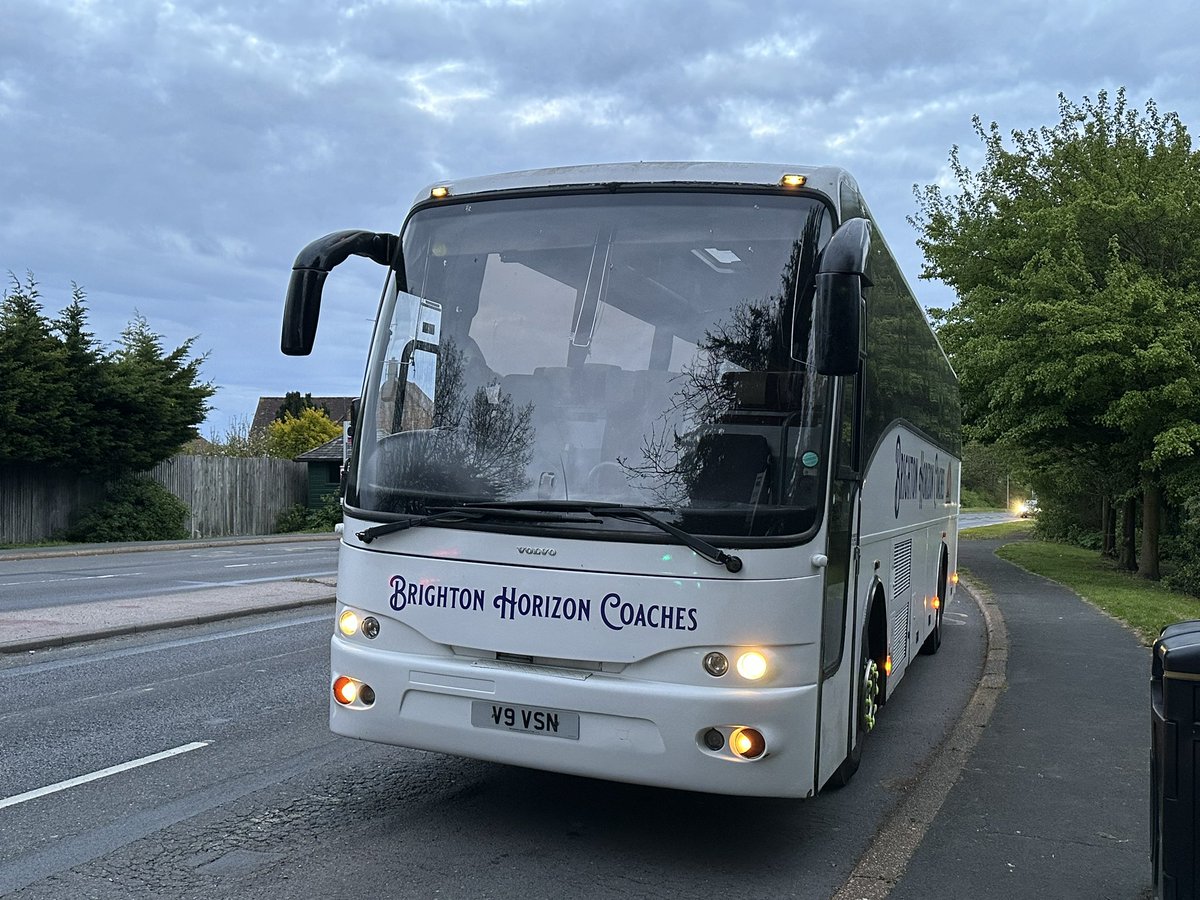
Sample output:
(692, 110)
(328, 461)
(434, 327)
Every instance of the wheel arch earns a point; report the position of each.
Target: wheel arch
(876, 622)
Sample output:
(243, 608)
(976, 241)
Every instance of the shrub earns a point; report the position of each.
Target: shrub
(133, 509)
(327, 515)
(1058, 526)
(292, 519)
(975, 500)
(1185, 578)
(1182, 552)
(300, 518)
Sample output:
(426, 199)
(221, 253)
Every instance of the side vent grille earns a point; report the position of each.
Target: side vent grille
(902, 570)
(901, 584)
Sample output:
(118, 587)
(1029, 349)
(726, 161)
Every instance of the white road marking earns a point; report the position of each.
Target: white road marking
(241, 581)
(70, 578)
(102, 773)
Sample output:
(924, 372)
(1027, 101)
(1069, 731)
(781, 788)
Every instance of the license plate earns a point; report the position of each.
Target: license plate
(528, 719)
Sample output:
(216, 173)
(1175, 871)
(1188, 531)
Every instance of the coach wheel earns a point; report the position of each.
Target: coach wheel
(934, 639)
(870, 688)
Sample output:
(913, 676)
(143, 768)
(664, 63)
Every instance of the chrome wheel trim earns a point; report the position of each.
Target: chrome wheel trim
(870, 694)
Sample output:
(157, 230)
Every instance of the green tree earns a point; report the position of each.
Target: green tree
(87, 389)
(989, 475)
(1074, 250)
(293, 435)
(35, 409)
(64, 400)
(294, 404)
(157, 397)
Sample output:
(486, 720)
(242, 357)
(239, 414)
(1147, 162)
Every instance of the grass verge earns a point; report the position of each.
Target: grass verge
(36, 545)
(1143, 605)
(1014, 530)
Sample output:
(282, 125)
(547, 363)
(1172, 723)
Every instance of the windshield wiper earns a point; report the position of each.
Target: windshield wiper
(616, 510)
(560, 511)
(466, 513)
(369, 534)
(701, 546)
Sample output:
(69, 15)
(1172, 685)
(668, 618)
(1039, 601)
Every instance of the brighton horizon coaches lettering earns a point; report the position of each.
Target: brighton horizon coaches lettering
(615, 613)
(917, 479)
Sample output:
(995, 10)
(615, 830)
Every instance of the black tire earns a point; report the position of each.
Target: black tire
(868, 699)
(933, 641)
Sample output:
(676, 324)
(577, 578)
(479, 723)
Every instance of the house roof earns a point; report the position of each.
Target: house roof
(330, 451)
(268, 409)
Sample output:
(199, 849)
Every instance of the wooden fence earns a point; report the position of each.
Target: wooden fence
(226, 495)
(35, 502)
(232, 494)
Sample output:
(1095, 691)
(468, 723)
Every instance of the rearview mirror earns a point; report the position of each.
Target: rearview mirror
(838, 302)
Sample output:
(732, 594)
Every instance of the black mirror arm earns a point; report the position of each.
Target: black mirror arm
(302, 308)
(846, 253)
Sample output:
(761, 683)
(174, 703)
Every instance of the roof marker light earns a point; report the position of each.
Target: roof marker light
(793, 181)
(439, 192)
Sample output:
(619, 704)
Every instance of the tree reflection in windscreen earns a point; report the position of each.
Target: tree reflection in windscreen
(750, 389)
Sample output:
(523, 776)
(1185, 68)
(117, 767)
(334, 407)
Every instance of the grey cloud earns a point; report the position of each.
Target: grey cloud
(174, 157)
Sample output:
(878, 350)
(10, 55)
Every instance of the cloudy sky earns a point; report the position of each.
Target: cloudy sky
(173, 157)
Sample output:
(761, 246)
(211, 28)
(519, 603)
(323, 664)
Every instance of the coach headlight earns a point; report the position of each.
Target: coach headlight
(752, 665)
(348, 622)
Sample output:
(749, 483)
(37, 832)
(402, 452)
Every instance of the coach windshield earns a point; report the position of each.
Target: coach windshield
(646, 349)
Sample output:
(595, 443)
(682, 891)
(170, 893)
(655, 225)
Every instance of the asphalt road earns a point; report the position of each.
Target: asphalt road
(979, 519)
(61, 580)
(260, 800)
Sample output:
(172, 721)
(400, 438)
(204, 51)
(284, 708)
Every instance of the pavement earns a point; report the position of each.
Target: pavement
(1054, 797)
(35, 629)
(1041, 790)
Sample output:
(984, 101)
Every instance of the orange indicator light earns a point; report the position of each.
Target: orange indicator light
(887, 665)
(936, 602)
(954, 578)
(345, 690)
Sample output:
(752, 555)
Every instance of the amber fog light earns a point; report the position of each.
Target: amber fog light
(348, 691)
(716, 664)
(345, 690)
(748, 743)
